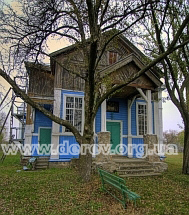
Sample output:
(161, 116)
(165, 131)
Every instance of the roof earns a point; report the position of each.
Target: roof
(140, 54)
(38, 66)
(73, 46)
(63, 50)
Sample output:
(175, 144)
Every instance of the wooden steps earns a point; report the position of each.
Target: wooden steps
(24, 161)
(42, 163)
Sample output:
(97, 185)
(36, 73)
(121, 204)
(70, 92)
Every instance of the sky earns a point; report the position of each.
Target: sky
(171, 115)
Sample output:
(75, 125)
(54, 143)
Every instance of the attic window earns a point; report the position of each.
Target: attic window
(112, 57)
(112, 106)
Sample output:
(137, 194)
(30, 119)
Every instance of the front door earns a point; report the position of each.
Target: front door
(115, 131)
(45, 141)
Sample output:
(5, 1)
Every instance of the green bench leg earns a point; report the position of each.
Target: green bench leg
(124, 198)
(102, 181)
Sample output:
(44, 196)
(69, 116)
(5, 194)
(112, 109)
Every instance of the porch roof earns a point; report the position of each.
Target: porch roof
(124, 69)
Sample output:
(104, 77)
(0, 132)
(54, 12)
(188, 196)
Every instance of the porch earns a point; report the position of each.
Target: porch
(149, 164)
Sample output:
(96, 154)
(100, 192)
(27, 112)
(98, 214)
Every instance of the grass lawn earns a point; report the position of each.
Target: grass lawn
(60, 191)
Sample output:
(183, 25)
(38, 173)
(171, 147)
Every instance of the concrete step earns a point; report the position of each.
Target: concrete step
(119, 157)
(134, 161)
(135, 171)
(140, 175)
(138, 166)
(125, 157)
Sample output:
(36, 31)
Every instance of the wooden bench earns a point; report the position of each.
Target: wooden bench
(119, 184)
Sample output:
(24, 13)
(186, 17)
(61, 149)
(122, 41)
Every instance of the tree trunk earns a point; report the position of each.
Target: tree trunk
(85, 162)
(185, 168)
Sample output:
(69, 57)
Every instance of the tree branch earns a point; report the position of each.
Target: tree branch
(29, 101)
(171, 48)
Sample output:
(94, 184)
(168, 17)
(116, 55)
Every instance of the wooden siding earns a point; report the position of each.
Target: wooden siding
(67, 80)
(29, 115)
(73, 61)
(137, 142)
(121, 115)
(35, 146)
(128, 71)
(64, 143)
(41, 120)
(117, 47)
(98, 121)
(125, 143)
(41, 83)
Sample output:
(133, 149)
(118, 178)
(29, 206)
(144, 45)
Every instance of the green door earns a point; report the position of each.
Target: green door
(45, 141)
(115, 131)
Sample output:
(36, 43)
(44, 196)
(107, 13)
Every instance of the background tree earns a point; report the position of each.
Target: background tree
(2, 129)
(170, 137)
(28, 27)
(181, 138)
(157, 35)
(174, 137)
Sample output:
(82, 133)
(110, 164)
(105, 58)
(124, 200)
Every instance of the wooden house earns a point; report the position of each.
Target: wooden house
(127, 115)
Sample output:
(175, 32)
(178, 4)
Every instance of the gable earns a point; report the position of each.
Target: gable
(126, 68)
(129, 62)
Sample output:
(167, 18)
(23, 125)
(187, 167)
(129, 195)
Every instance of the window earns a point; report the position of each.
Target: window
(112, 57)
(112, 106)
(142, 119)
(74, 112)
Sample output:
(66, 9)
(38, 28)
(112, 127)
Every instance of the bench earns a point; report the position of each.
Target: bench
(119, 184)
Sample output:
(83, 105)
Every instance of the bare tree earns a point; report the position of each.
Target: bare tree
(3, 127)
(84, 22)
(170, 137)
(158, 34)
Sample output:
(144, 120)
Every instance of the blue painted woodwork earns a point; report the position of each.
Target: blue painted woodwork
(68, 144)
(121, 115)
(98, 121)
(41, 120)
(138, 149)
(125, 143)
(34, 145)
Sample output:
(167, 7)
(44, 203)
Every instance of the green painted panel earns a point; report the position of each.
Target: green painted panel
(115, 131)
(45, 141)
